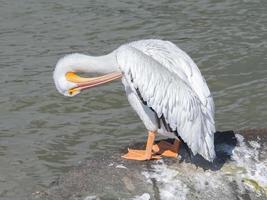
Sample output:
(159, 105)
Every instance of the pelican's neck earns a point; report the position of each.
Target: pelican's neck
(89, 64)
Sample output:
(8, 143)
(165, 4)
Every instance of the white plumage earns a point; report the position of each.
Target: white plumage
(166, 89)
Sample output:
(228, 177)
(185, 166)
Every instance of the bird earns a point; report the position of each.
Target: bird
(163, 85)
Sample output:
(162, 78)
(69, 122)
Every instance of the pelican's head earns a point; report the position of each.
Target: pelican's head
(64, 85)
(61, 76)
(69, 83)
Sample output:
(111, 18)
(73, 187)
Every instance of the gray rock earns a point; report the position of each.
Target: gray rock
(238, 172)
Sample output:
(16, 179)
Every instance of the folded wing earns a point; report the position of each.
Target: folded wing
(171, 96)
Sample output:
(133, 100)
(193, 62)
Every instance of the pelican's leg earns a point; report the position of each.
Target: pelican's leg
(143, 154)
(164, 148)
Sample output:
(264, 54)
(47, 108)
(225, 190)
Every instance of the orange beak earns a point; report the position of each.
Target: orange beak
(86, 83)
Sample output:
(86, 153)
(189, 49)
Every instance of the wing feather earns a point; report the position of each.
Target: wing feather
(177, 61)
(171, 97)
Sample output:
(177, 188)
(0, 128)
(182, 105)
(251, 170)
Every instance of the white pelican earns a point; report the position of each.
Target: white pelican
(163, 85)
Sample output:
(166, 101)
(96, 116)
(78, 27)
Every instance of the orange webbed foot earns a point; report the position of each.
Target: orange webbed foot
(167, 149)
(140, 155)
(143, 154)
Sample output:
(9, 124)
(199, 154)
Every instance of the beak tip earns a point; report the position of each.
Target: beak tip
(72, 92)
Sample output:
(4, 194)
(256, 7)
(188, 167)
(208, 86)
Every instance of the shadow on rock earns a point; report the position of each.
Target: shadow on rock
(225, 142)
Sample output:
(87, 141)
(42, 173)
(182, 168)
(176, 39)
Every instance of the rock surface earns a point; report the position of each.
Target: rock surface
(239, 172)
